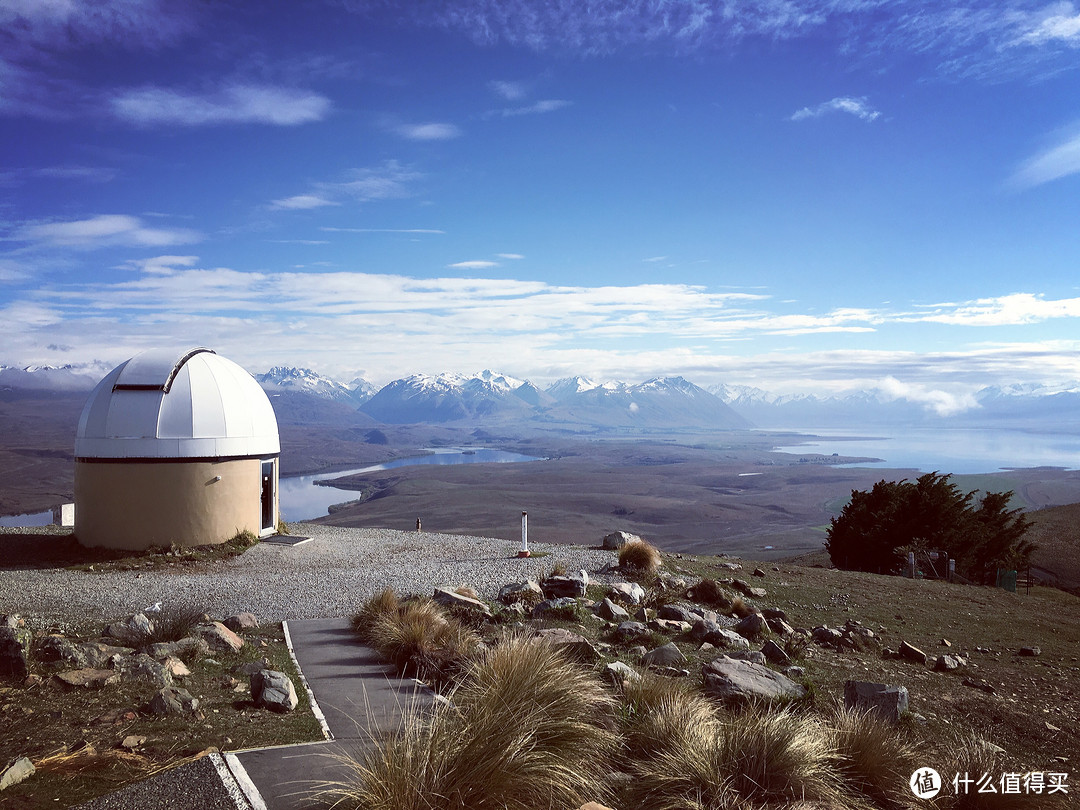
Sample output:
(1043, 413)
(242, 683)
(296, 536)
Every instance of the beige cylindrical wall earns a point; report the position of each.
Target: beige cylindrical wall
(140, 504)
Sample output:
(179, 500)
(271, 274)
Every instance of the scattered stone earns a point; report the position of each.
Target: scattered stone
(911, 653)
(515, 592)
(115, 717)
(666, 656)
(637, 651)
(618, 672)
(15, 652)
(572, 585)
(219, 638)
(554, 604)
(606, 609)
(241, 621)
(745, 655)
(89, 678)
(678, 613)
(668, 626)
(144, 668)
(617, 540)
(133, 741)
(573, 646)
(189, 648)
(732, 679)
(758, 572)
(773, 613)
(945, 642)
(726, 639)
(173, 700)
(273, 690)
(775, 653)
(251, 667)
(18, 771)
(134, 630)
(947, 663)
(12, 620)
(889, 702)
(631, 630)
(780, 627)
(730, 566)
(643, 615)
(452, 599)
(752, 626)
(629, 592)
(748, 590)
(979, 683)
(175, 667)
(1030, 651)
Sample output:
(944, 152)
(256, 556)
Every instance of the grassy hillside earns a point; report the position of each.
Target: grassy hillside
(1057, 532)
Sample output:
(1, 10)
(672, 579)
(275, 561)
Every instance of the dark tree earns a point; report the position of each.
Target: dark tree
(876, 529)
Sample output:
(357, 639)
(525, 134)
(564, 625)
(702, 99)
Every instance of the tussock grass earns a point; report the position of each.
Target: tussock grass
(641, 556)
(174, 623)
(974, 756)
(523, 730)
(382, 604)
(741, 608)
(659, 714)
(709, 592)
(873, 758)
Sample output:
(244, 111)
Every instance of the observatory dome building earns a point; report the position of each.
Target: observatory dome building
(175, 448)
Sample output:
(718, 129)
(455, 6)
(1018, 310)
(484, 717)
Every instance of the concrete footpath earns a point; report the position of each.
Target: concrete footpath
(353, 694)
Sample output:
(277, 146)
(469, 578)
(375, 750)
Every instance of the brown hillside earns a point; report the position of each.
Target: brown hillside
(1056, 530)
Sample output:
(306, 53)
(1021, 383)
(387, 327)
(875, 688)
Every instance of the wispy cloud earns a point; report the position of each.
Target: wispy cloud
(655, 259)
(510, 91)
(104, 231)
(233, 104)
(429, 132)
(1056, 27)
(845, 104)
(382, 230)
(60, 22)
(160, 265)
(301, 202)
(1007, 310)
(473, 265)
(1058, 161)
(510, 256)
(538, 108)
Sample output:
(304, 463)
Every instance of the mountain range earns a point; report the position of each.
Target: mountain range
(660, 402)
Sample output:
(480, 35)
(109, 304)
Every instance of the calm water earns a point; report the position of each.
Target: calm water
(950, 450)
(28, 519)
(301, 499)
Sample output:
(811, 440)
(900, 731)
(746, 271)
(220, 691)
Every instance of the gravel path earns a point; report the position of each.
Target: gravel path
(327, 577)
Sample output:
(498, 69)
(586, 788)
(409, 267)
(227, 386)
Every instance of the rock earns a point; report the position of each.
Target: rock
(134, 630)
(629, 592)
(554, 604)
(617, 540)
(947, 663)
(133, 741)
(175, 667)
(219, 638)
(89, 678)
(15, 652)
(752, 626)
(773, 613)
(631, 630)
(606, 609)
(730, 566)
(644, 615)
(748, 590)
(144, 668)
(889, 702)
(780, 627)
(795, 672)
(726, 639)
(911, 653)
(593, 806)
(618, 672)
(668, 626)
(745, 655)
(173, 700)
(826, 635)
(979, 683)
(775, 653)
(241, 621)
(12, 620)
(1030, 651)
(452, 599)
(273, 690)
(666, 656)
(573, 646)
(637, 651)
(732, 679)
(678, 613)
(187, 648)
(759, 573)
(572, 586)
(251, 667)
(18, 771)
(945, 642)
(515, 592)
(31, 680)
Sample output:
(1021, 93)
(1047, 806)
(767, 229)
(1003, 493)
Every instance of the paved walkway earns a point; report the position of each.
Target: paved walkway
(355, 695)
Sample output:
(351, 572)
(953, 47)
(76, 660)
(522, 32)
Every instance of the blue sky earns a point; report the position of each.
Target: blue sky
(793, 194)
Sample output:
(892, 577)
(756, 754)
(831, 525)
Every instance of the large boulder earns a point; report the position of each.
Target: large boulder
(735, 680)
(572, 585)
(617, 540)
(775, 653)
(679, 613)
(553, 604)
(14, 652)
(273, 690)
(889, 702)
(629, 631)
(239, 622)
(608, 610)
(453, 599)
(219, 638)
(87, 654)
(133, 631)
(752, 626)
(911, 653)
(573, 646)
(527, 591)
(142, 667)
(629, 592)
(666, 656)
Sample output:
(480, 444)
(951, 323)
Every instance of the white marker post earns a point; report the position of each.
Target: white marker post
(524, 535)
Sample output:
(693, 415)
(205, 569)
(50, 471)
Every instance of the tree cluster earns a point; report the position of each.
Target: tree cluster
(877, 529)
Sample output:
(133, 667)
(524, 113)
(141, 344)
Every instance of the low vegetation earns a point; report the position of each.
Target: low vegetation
(639, 556)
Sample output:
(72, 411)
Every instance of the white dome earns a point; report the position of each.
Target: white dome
(169, 404)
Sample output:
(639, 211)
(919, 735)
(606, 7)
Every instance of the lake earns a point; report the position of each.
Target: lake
(951, 450)
(300, 498)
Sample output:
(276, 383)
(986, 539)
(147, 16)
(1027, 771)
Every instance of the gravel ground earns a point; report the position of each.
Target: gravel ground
(327, 577)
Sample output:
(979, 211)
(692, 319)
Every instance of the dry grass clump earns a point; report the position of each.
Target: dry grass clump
(641, 556)
(873, 758)
(417, 637)
(974, 756)
(709, 592)
(524, 730)
(741, 608)
(174, 623)
(659, 714)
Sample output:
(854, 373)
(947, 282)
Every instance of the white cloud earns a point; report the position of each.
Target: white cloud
(943, 403)
(510, 256)
(11, 271)
(852, 106)
(382, 230)
(233, 104)
(544, 106)
(655, 259)
(1007, 310)
(511, 91)
(429, 132)
(1062, 27)
(301, 202)
(105, 230)
(159, 265)
(1054, 163)
(474, 265)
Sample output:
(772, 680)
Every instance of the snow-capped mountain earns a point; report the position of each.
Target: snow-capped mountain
(41, 377)
(305, 380)
(452, 397)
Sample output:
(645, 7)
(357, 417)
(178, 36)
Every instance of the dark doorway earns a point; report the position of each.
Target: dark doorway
(268, 497)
